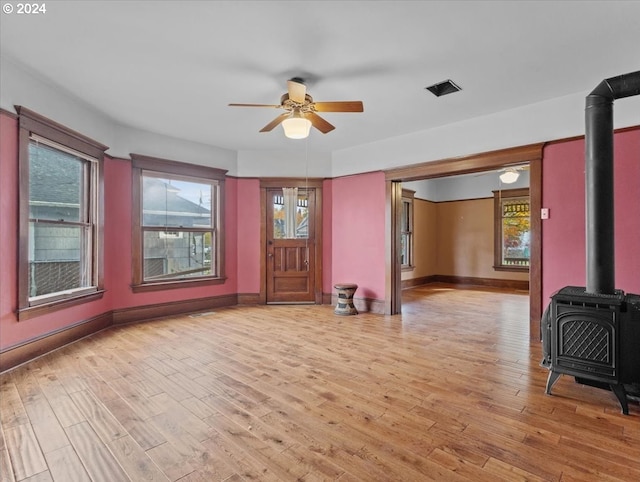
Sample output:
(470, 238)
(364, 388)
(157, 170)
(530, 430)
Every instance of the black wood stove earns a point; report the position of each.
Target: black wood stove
(595, 338)
(593, 332)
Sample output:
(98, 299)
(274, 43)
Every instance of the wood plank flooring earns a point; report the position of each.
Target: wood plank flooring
(451, 390)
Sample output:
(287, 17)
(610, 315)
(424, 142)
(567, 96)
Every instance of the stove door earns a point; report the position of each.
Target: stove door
(585, 342)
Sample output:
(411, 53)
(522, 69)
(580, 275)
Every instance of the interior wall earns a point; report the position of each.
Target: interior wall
(248, 235)
(358, 239)
(465, 240)
(8, 226)
(302, 162)
(563, 234)
(455, 238)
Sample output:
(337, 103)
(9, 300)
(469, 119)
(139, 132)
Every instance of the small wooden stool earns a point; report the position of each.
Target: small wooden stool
(345, 304)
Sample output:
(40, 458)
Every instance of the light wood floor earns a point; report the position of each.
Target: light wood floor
(449, 390)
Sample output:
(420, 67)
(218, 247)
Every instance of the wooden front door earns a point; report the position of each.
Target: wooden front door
(291, 245)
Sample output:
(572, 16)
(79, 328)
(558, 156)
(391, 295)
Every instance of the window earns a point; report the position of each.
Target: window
(512, 230)
(291, 214)
(406, 230)
(178, 231)
(60, 260)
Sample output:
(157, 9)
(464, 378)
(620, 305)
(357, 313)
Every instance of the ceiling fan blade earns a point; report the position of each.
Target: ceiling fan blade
(319, 123)
(275, 122)
(341, 106)
(255, 105)
(297, 91)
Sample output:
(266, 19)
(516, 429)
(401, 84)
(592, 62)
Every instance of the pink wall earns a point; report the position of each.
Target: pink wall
(248, 235)
(117, 214)
(563, 234)
(358, 238)
(117, 179)
(8, 225)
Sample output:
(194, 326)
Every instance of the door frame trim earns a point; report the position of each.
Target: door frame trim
(271, 183)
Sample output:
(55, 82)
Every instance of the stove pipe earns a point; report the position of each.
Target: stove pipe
(599, 179)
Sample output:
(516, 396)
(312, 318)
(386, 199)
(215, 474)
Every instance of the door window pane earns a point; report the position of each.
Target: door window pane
(291, 214)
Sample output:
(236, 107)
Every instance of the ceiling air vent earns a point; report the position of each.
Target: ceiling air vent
(443, 88)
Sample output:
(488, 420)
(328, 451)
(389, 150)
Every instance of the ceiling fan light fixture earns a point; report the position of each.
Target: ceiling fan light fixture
(296, 126)
(509, 176)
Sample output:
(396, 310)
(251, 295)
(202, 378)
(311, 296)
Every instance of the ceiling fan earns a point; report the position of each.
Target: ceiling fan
(301, 111)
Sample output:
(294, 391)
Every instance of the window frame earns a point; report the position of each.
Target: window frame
(33, 125)
(498, 197)
(407, 198)
(157, 167)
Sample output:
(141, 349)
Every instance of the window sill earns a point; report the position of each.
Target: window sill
(175, 284)
(45, 308)
(408, 268)
(515, 269)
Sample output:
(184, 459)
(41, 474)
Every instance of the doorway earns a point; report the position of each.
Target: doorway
(531, 154)
(291, 242)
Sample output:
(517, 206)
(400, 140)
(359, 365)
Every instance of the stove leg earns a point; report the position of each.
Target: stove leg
(551, 380)
(622, 397)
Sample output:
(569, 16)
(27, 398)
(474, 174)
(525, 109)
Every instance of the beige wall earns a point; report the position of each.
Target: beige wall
(455, 238)
(425, 243)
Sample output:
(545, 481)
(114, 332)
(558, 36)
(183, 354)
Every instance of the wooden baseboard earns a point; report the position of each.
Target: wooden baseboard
(173, 308)
(16, 355)
(248, 298)
(423, 280)
(522, 285)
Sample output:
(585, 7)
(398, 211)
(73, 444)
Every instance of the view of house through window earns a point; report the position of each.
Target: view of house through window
(178, 226)
(62, 217)
(513, 229)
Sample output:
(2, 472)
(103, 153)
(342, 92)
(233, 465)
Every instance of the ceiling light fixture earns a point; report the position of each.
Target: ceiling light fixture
(509, 176)
(296, 126)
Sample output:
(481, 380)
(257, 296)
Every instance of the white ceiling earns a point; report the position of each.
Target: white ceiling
(171, 67)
